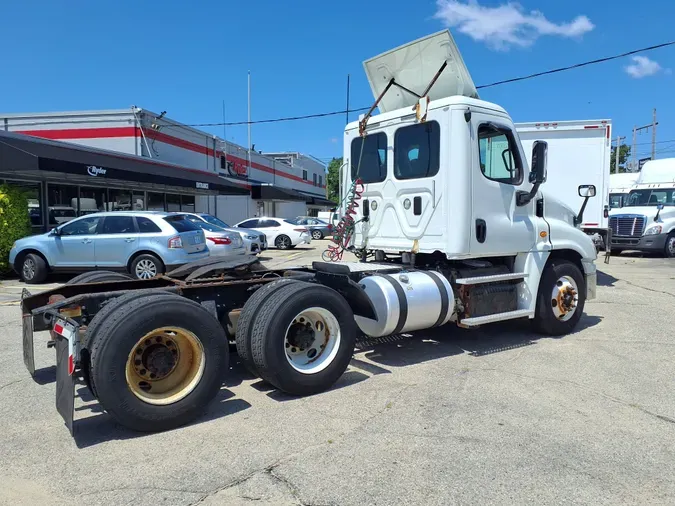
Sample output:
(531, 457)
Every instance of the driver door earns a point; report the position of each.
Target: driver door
(75, 245)
(499, 226)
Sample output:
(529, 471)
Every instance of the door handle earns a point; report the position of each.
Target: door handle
(86, 241)
(481, 230)
(129, 239)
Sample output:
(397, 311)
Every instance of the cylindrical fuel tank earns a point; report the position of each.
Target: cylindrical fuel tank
(406, 301)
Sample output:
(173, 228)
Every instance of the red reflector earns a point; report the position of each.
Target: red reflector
(300, 229)
(220, 240)
(591, 126)
(591, 224)
(58, 329)
(71, 365)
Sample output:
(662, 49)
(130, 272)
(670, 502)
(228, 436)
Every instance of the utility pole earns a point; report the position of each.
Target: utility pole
(654, 123)
(634, 151)
(348, 99)
(618, 149)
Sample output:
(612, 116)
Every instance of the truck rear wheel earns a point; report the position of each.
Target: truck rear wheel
(157, 361)
(303, 338)
(247, 317)
(561, 298)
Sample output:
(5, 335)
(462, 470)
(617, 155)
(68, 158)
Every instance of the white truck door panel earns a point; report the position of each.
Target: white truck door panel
(499, 172)
(403, 178)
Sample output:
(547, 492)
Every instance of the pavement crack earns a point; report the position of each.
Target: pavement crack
(11, 383)
(291, 488)
(648, 289)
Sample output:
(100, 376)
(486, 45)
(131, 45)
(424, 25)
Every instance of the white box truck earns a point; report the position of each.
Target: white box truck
(578, 154)
(646, 222)
(620, 186)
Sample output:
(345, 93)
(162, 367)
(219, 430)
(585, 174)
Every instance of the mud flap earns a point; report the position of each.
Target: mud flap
(28, 349)
(65, 384)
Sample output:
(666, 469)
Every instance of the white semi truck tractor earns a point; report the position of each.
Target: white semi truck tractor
(448, 220)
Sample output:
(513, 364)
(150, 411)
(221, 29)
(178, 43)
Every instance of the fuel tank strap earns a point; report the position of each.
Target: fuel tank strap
(402, 302)
(445, 300)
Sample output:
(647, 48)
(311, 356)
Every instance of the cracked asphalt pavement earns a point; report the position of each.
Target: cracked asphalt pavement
(491, 416)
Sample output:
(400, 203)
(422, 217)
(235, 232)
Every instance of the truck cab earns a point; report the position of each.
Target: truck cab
(646, 222)
(619, 188)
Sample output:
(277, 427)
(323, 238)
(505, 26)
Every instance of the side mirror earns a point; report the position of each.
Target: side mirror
(539, 156)
(659, 207)
(56, 231)
(587, 190)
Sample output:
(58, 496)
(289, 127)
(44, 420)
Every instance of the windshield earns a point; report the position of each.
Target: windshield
(214, 221)
(651, 197)
(615, 200)
(205, 226)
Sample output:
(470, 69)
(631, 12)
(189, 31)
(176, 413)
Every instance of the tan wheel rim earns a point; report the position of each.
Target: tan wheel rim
(165, 365)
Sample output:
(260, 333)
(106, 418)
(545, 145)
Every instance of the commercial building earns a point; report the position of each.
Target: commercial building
(278, 184)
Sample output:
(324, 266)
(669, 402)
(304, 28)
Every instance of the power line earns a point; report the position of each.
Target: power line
(497, 83)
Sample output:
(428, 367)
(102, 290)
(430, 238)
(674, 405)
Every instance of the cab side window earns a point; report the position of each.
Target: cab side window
(499, 157)
(417, 150)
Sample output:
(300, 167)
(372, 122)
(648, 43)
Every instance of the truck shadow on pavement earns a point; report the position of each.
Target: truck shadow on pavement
(100, 427)
(605, 279)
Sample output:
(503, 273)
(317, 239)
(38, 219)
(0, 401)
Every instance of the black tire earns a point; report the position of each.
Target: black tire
(98, 277)
(268, 335)
(669, 248)
(34, 269)
(283, 242)
(109, 308)
(117, 336)
(143, 260)
(545, 320)
(248, 316)
(317, 235)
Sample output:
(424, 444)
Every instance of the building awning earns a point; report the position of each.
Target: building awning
(315, 200)
(273, 192)
(21, 153)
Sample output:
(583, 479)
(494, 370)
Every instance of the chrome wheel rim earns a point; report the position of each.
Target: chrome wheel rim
(28, 268)
(284, 242)
(671, 246)
(312, 340)
(146, 269)
(564, 298)
(316, 235)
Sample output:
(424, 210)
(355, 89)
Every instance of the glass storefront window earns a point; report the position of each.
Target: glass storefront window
(172, 202)
(32, 191)
(138, 201)
(187, 203)
(92, 200)
(155, 201)
(119, 200)
(60, 202)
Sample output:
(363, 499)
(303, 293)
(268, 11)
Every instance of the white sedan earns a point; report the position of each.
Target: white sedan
(221, 242)
(283, 234)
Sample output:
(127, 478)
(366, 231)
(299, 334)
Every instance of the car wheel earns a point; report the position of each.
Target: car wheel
(34, 269)
(146, 267)
(283, 242)
(670, 245)
(317, 235)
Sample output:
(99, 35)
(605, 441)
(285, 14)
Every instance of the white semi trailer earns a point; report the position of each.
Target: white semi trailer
(457, 221)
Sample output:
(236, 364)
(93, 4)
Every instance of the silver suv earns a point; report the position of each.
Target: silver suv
(143, 243)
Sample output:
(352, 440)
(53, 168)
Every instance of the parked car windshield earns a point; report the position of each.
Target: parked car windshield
(214, 221)
(181, 223)
(651, 197)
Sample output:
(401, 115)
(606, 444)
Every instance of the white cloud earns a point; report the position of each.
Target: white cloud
(334, 140)
(642, 67)
(505, 25)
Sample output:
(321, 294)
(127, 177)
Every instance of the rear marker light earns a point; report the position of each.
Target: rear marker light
(220, 240)
(175, 243)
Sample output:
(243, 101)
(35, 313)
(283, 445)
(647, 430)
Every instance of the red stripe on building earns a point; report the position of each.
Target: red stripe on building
(117, 132)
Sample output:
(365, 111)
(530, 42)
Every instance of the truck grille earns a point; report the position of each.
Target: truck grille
(627, 226)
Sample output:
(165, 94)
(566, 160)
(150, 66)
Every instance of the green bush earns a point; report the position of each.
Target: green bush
(14, 221)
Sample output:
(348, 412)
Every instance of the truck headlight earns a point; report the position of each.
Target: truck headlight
(653, 230)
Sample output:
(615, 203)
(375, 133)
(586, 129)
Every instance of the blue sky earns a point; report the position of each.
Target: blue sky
(186, 58)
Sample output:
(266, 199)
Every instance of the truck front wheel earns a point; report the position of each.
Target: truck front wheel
(157, 361)
(561, 298)
(669, 250)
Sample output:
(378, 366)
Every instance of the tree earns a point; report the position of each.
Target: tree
(14, 221)
(333, 180)
(624, 155)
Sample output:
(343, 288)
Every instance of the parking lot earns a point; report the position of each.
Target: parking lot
(449, 416)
